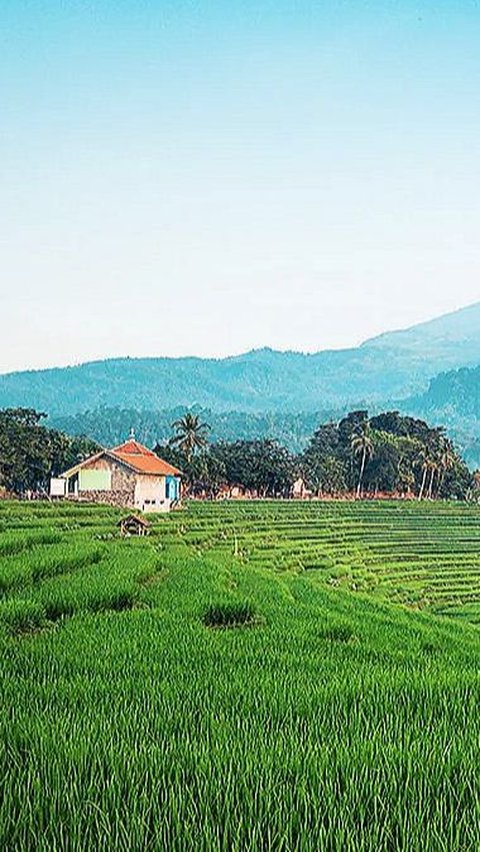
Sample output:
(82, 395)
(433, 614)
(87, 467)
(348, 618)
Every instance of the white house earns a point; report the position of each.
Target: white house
(130, 476)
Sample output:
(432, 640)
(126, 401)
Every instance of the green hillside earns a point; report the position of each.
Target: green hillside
(109, 426)
(247, 677)
(453, 400)
(395, 365)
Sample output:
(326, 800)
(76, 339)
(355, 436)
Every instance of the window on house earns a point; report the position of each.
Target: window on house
(95, 479)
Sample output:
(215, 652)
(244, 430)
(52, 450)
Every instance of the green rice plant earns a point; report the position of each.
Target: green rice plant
(339, 632)
(12, 543)
(230, 613)
(42, 562)
(348, 721)
(22, 616)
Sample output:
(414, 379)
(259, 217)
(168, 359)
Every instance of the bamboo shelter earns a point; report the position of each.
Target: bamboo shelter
(134, 525)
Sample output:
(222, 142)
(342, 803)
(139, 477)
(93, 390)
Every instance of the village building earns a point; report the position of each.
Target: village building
(129, 476)
(300, 490)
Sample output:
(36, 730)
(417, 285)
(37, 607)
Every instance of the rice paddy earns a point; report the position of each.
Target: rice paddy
(250, 676)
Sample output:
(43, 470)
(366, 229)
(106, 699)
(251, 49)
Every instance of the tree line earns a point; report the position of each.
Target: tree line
(357, 455)
(31, 453)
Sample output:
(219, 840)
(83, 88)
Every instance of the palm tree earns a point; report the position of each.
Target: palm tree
(447, 460)
(362, 445)
(423, 461)
(437, 458)
(191, 434)
(434, 467)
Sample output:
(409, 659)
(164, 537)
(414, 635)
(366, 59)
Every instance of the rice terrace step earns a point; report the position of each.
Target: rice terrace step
(323, 662)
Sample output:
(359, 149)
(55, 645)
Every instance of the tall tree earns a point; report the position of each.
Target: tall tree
(261, 466)
(322, 464)
(30, 453)
(191, 434)
(423, 462)
(447, 459)
(362, 445)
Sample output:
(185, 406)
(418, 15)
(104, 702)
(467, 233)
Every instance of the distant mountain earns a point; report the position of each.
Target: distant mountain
(393, 366)
(453, 400)
(456, 394)
(452, 338)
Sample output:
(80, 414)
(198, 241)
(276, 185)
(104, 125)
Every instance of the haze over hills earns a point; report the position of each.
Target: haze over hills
(438, 338)
(453, 401)
(394, 366)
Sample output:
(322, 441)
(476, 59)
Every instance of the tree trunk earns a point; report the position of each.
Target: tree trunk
(422, 487)
(430, 487)
(362, 468)
(440, 482)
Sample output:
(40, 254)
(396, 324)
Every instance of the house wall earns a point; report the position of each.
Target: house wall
(127, 488)
(57, 487)
(122, 484)
(150, 494)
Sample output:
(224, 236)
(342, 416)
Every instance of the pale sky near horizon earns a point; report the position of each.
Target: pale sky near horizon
(209, 177)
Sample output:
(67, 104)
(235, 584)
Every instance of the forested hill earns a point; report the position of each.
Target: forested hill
(456, 392)
(453, 400)
(394, 366)
(110, 426)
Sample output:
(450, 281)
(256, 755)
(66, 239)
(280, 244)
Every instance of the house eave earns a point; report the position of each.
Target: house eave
(102, 453)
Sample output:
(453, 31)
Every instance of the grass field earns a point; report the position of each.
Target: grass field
(250, 676)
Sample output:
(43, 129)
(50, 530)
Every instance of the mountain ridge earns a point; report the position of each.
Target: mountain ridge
(393, 366)
(378, 339)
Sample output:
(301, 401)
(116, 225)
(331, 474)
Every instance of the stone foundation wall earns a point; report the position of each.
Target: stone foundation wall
(123, 480)
(123, 499)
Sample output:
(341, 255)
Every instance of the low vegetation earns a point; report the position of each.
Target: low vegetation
(346, 718)
(230, 613)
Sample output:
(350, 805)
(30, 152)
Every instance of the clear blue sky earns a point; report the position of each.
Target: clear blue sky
(208, 177)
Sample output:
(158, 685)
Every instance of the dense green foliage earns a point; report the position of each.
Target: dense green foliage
(387, 453)
(450, 402)
(390, 367)
(30, 453)
(262, 467)
(332, 719)
(453, 400)
(109, 426)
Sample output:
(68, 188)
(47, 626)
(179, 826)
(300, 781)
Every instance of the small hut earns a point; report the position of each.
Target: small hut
(133, 525)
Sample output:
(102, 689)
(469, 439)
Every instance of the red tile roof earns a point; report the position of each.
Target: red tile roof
(142, 459)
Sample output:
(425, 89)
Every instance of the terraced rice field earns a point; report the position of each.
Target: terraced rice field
(424, 555)
(251, 676)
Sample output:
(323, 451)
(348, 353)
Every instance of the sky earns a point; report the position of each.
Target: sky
(189, 177)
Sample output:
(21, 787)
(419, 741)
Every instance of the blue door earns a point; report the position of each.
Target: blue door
(172, 488)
